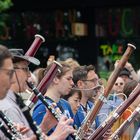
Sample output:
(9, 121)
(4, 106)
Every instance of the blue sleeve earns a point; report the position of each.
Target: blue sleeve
(77, 122)
(38, 113)
(70, 111)
(79, 117)
(66, 106)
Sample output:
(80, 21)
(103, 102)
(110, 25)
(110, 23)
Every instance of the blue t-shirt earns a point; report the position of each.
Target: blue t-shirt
(40, 110)
(81, 114)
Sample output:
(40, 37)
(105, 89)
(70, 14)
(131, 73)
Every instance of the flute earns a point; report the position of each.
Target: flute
(56, 112)
(97, 134)
(116, 135)
(102, 98)
(10, 125)
(45, 82)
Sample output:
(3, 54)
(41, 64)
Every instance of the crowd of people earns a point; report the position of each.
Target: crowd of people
(72, 93)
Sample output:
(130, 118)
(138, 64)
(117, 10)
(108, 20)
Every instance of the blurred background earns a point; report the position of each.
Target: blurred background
(92, 32)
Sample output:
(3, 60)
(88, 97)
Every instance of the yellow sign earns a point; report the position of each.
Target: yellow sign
(79, 29)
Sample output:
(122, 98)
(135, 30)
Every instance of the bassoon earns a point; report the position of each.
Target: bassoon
(42, 85)
(35, 45)
(102, 98)
(45, 82)
(26, 111)
(116, 135)
(97, 134)
(56, 112)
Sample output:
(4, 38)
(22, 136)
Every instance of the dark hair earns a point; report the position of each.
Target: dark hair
(4, 54)
(129, 86)
(72, 92)
(125, 71)
(80, 73)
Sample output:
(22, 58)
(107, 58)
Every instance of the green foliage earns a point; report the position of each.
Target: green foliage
(5, 4)
(104, 74)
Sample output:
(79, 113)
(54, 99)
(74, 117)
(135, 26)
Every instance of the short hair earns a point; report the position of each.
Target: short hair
(4, 54)
(80, 73)
(71, 93)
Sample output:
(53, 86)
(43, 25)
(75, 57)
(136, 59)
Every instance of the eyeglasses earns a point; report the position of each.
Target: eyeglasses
(116, 84)
(10, 72)
(26, 69)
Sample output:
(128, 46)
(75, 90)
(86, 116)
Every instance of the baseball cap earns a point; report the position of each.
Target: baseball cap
(18, 55)
(125, 71)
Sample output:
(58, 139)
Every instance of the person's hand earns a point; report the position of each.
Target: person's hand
(63, 129)
(129, 66)
(116, 63)
(88, 134)
(21, 128)
(33, 137)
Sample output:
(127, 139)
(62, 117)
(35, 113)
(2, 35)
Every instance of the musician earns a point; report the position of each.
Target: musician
(117, 92)
(86, 79)
(61, 85)
(129, 133)
(6, 71)
(128, 72)
(12, 104)
(74, 98)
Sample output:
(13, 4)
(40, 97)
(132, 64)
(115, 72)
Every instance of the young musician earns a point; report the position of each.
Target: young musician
(74, 98)
(60, 86)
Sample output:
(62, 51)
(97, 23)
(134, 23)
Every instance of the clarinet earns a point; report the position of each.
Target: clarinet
(45, 82)
(7, 132)
(116, 135)
(102, 98)
(10, 125)
(97, 134)
(56, 112)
